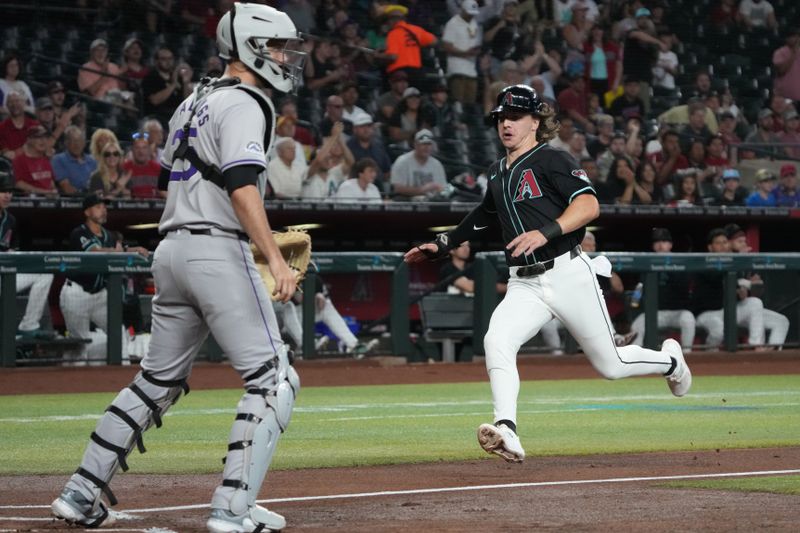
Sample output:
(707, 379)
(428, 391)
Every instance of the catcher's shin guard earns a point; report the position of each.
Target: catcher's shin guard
(262, 415)
(133, 411)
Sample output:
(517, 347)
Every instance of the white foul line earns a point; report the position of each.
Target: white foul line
(527, 485)
(433, 491)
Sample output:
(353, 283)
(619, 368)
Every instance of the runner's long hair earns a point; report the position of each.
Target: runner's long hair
(548, 125)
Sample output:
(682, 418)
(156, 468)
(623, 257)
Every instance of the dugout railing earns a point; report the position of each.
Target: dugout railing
(649, 266)
(117, 265)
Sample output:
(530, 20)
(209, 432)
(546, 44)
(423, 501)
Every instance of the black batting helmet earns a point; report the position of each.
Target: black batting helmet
(518, 98)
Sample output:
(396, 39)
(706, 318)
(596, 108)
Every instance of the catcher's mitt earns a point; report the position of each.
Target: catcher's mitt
(295, 247)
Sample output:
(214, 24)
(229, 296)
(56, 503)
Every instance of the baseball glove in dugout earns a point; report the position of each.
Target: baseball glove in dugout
(295, 247)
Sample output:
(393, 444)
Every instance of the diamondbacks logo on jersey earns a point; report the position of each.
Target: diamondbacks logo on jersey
(528, 188)
(581, 174)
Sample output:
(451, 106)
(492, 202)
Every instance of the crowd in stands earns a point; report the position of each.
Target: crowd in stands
(662, 103)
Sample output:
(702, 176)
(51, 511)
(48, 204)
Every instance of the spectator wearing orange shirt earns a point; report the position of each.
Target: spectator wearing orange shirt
(404, 43)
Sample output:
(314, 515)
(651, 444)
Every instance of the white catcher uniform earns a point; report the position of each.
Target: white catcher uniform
(206, 280)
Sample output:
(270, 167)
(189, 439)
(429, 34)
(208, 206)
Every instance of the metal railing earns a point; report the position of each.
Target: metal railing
(649, 265)
(116, 265)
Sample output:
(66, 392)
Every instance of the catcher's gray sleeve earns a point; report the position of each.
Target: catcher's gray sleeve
(241, 132)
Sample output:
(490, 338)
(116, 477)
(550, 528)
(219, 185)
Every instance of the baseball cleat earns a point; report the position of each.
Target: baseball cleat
(257, 519)
(501, 440)
(75, 509)
(680, 381)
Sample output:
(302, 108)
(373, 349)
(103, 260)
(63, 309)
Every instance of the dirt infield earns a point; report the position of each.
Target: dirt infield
(588, 493)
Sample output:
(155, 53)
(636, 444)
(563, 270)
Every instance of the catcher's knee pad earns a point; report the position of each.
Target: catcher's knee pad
(262, 415)
(132, 412)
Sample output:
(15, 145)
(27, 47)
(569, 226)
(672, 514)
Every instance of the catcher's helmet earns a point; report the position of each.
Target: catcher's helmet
(518, 98)
(252, 33)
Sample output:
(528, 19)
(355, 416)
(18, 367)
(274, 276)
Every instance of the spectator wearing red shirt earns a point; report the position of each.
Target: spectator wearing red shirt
(32, 169)
(14, 129)
(143, 169)
(574, 101)
(670, 159)
(716, 155)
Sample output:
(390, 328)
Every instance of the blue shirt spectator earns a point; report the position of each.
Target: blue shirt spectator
(787, 194)
(73, 167)
(764, 194)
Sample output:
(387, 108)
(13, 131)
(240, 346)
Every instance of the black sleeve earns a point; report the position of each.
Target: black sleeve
(163, 179)
(75, 241)
(240, 176)
(568, 178)
(150, 85)
(396, 120)
(479, 219)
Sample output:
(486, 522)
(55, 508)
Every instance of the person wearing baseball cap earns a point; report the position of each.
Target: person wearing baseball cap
(32, 168)
(764, 193)
(638, 60)
(404, 42)
(417, 174)
(83, 298)
(787, 193)
(38, 284)
(765, 136)
(408, 117)
(733, 194)
(58, 95)
(737, 238)
(791, 133)
(132, 66)
(674, 298)
(98, 76)
(46, 116)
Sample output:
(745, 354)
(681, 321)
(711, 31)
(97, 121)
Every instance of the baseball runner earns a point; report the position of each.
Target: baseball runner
(84, 297)
(543, 202)
(39, 284)
(207, 280)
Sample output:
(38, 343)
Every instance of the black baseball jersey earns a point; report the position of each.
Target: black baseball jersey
(82, 239)
(9, 239)
(534, 191)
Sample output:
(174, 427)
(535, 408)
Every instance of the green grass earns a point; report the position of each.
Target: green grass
(344, 426)
(776, 485)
